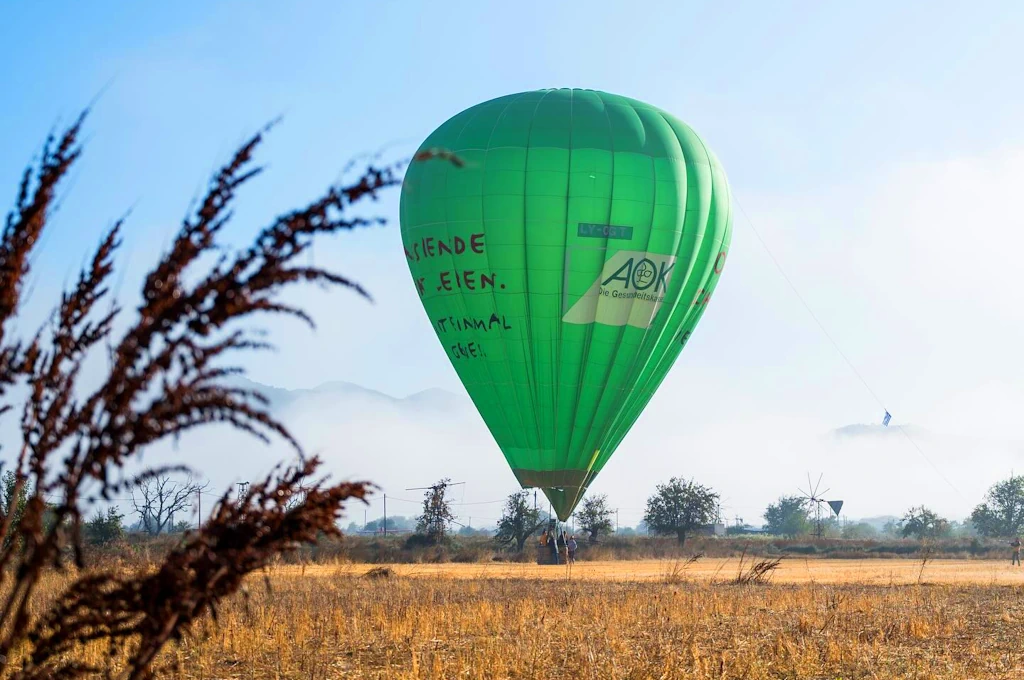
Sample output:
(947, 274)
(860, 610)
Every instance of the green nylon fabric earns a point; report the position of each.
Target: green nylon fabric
(563, 261)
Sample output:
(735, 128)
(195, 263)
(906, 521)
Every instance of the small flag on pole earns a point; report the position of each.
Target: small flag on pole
(886, 419)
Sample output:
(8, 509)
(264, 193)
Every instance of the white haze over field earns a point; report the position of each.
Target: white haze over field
(401, 443)
(911, 271)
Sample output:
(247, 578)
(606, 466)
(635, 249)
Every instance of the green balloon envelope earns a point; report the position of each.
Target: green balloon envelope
(563, 258)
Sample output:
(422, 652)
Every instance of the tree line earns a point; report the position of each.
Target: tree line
(682, 508)
(999, 515)
(677, 508)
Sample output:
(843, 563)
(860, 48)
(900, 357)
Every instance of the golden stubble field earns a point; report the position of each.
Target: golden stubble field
(790, 570)
(816, 619)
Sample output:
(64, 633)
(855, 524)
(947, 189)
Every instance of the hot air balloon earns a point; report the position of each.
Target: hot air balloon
(564, 244)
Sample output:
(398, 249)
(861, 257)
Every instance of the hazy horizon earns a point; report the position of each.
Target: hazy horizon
(437, 433)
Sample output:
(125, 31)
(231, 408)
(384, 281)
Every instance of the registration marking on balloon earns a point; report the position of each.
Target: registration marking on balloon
(629, 290)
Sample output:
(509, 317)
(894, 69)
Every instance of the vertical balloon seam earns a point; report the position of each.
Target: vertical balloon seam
(668, 313)
(595, 441)
(707, 241)
(693, 315)
(622, 428)
(712, 164)
(531, 366)
(450, 303)
(583, 358)
(494, 300)
(483, 382)
(664, 364)
(633, 373)
(585, 445)
(612, 396)
(566, 455)
(557, 369)
(676, 242)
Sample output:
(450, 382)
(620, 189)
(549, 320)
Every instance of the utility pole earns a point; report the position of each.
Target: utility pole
(243, 487)
(385, 514)
(616, 520)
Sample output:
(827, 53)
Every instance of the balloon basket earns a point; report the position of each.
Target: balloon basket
(545, 556)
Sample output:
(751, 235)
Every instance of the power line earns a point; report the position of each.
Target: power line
(835, 345)
(810, 311)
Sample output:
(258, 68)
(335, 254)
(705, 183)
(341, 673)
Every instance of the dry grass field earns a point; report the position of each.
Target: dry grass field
(709, 570)
(815, 619)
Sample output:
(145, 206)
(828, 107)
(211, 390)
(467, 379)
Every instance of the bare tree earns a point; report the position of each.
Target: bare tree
(595, 517)
(518, 521)
(157, 498)
(437, 516)
(680, 507)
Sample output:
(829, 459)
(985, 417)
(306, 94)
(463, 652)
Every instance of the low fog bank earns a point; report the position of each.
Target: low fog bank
(398, 443)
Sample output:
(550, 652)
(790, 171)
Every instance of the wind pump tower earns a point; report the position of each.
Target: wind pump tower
(816, 497)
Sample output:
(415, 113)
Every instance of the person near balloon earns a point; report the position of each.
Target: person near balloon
(563, 547)
(1015, 544)
(554, 549)
(572, 545)
(544, 537)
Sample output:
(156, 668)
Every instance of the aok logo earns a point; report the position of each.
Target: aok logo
(641, 274)
(629, 290)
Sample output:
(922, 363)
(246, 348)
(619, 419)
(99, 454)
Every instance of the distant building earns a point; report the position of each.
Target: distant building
(716, 529)
(746, 530)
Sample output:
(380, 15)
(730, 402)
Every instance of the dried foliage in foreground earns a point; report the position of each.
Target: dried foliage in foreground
(166, 375)
(144, 613)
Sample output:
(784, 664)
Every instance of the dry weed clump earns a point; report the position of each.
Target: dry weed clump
(338, 623)
(167, 374)
(675, 572)
(756, 571)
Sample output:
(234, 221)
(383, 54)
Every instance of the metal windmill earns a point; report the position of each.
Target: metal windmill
(815, 496)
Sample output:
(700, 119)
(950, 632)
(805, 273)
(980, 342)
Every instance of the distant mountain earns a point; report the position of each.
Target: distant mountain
(282, 399)
(438, 399)
(360, 433)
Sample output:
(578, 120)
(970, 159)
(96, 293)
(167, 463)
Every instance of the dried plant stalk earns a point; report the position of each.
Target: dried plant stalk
(167, 375)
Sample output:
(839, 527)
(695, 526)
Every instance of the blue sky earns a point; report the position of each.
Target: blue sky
(876, 146)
